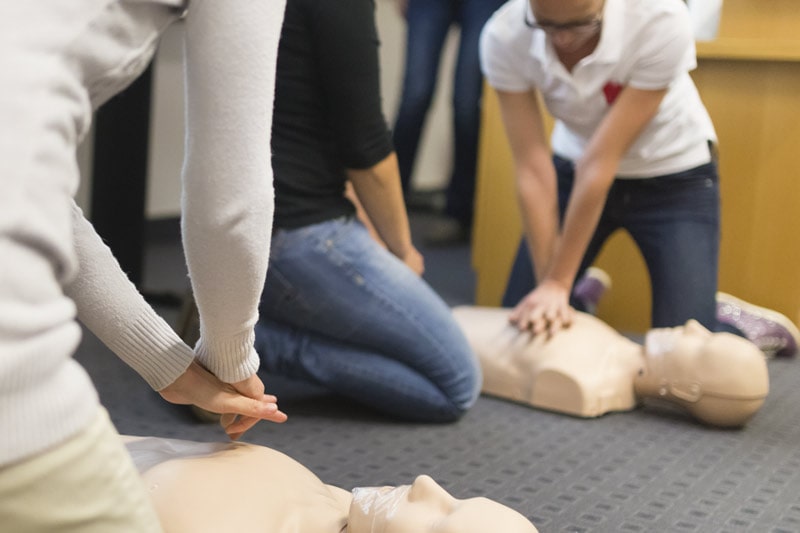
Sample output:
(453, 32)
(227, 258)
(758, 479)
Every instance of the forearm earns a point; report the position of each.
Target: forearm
(586, 203)
(594, 174)
(351, 195)
(114, 310)
(537, 193)
(228, 204)
(537, 190)
(381, 195)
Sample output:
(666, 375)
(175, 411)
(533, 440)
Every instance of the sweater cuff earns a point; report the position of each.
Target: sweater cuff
(231, 360)
(153, 350)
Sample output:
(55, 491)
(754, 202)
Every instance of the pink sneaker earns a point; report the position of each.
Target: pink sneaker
(771, 331)
(591, 287)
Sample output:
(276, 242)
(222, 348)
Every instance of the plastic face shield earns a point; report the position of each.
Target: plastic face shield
(369, 503)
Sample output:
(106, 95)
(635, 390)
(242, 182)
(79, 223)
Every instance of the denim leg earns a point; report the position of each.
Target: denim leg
(342, 312)
(467, 90)
(609, 218)
(361, 374)
(675, 222)
(521, 280)
(428, 22)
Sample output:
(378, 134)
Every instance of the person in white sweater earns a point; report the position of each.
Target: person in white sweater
(62, 467)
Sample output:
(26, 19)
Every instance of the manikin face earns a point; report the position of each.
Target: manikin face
(569, 24)
(676, 356)
(425, 507)
(682, 341)
(692, 362)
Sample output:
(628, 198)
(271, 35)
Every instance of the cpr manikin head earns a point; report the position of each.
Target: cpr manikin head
(425, 507)
(719, 378)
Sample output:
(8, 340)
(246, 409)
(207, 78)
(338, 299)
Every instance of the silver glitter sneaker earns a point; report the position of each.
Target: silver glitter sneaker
(771, 331)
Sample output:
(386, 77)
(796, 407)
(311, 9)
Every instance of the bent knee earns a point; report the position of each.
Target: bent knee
(463, 394)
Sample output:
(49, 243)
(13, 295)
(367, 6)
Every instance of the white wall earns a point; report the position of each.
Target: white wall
(166, 138)
(166, 127)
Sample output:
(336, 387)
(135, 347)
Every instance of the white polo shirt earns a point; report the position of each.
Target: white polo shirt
(646, 44)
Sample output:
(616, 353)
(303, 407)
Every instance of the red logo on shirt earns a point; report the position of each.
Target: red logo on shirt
(611, 90)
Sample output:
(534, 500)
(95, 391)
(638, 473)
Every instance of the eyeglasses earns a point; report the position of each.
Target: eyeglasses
(583, 27)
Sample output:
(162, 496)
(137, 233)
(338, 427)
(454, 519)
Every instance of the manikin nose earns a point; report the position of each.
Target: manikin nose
(424, 487)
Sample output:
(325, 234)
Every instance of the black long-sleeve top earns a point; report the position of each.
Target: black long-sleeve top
(328, 115)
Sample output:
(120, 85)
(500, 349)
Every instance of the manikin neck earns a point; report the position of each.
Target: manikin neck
(653, 379)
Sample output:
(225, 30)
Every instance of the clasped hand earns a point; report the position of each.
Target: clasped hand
(546, 309)
(242, 404)
(414, 260)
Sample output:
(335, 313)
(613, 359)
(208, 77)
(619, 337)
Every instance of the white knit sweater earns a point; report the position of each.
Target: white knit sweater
(227, 204)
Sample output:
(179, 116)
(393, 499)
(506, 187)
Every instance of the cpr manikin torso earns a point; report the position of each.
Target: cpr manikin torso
(204, 487)
(198, 487)
(589, 369)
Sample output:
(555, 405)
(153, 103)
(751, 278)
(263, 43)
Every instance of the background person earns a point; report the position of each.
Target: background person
(339, 309)
(428, 23)
(632, 148)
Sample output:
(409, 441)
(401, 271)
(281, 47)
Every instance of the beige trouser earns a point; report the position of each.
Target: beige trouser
(85, 485)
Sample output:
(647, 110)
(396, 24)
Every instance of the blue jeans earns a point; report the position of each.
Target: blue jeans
(674, 220)
(342, 312)
(428, 22)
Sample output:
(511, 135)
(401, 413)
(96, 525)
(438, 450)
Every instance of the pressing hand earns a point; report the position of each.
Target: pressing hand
(242, 404)
(414, 260)
(546, 309)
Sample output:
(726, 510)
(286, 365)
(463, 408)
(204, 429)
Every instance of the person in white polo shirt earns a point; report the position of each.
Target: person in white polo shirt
(633, 147)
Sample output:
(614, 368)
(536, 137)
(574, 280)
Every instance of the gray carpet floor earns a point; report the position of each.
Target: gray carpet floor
(653, 469)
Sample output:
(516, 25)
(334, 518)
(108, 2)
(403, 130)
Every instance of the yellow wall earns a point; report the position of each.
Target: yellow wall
(749, 79)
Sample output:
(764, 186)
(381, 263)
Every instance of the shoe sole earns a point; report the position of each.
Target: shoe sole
(769, 314)
(600, 275)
